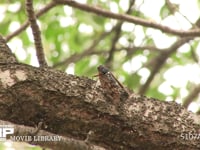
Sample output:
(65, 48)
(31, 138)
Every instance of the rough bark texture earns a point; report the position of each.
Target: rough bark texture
(72, 106)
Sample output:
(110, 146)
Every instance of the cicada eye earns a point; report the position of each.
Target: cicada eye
(103, 69)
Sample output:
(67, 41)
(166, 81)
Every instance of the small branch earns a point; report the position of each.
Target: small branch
(90, 50)
(98, 11)
(194, 55)
(113, 45)
(62, 144)
(159, 61)
(36, 33)
(190, 98)
(128, 18)
(133, 48)
(26, 24)
(117, 36)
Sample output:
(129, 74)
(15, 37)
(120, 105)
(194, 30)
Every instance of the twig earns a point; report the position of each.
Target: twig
(36, 33)
(133, 48)
(25, 24)
(190, 98)
(117, 36)
(128, 18)
(91, 51)
(113, 45)
(173, 8)
(194, 55)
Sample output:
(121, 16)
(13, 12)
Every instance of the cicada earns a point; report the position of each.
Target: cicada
(111, 85)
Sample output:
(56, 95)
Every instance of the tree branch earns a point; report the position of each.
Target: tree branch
(190, 98)
(60, 143)
(72, 106)
(90, 50)
(6, 55)
(36, 33)
(117, 36)
(159, 61)
(128, 18)
(79, 108)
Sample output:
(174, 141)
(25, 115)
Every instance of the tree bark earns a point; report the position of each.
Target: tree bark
(78, 108)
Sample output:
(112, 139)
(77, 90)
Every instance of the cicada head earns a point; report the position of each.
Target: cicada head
(102, 69)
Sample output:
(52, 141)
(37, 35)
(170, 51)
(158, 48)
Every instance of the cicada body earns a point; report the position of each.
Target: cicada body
(111, 85)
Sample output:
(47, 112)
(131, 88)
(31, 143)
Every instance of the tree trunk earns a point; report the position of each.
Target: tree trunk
(79, 108)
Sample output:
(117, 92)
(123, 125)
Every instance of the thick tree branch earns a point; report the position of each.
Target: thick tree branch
(72, 106)
(36, 33)
(6, 55)
(128, 18)
(75, 107)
